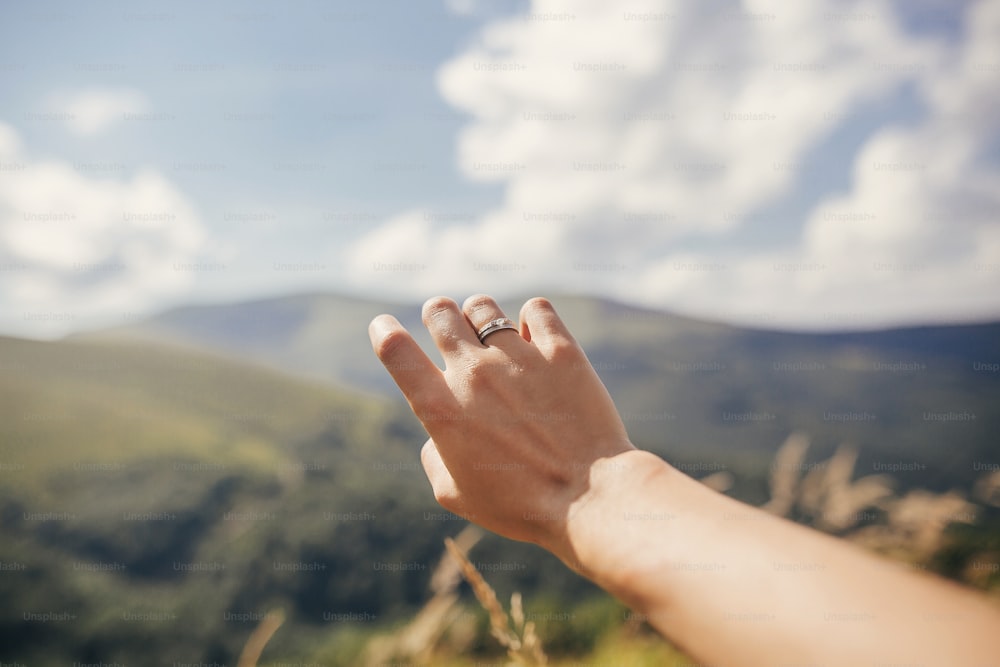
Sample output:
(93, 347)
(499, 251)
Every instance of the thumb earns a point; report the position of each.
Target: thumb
(445, 489)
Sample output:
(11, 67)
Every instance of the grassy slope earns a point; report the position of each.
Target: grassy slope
(219, 454)
(231, 469)
(74, 407)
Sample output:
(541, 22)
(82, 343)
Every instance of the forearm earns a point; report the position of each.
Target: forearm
(736, 586)
(729, 583)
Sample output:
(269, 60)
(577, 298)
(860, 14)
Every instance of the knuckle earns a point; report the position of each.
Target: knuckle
(477, 374)
(447, 498)
(435, 305)
(482, 372)
(539, 304)
(563, 351)
(477, 301)
(390, 344)
(557, 476)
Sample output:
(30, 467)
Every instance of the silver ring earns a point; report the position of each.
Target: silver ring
(493, 326)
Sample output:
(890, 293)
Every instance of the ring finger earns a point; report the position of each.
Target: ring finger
(489, 322)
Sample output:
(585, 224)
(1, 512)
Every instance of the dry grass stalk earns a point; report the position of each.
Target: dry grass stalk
(826, 493)
(812, 491)
(921, 517)
(448, 574)
(531, 644)
(517, 636)
(844, 503)
(718, 481)
(834, 508)
(840, 467)
(987, 488)
(916, 525)
(416, 641)
(785, 474)
(259, 637)
(483, 592)
(916, 522)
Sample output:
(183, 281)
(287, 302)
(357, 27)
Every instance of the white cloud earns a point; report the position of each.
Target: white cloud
(462, 7)
(633, 135)
(411, 254)
(10, 143)
(74, 246)
(91, 112)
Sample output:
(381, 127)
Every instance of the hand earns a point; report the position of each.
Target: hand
(517, 423)
(526, 442)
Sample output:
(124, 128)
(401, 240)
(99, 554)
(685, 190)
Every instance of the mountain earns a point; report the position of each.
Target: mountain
(318, 336)
(703, 394)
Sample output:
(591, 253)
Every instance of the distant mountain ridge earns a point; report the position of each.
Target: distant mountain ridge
(323, 335)
(685, 387)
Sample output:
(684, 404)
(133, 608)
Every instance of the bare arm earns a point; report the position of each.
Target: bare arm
(526, 442)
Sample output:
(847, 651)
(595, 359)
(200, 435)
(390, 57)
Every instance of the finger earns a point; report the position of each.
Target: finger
(480, 310)
(541, 324)
(420, 380)
(445, 489)
(447, 326)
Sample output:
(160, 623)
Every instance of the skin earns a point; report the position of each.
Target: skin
(526, 441)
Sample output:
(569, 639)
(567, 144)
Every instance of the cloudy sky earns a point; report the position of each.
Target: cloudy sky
(813, 165)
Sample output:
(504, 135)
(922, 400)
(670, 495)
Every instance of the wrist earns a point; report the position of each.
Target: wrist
(607, 531)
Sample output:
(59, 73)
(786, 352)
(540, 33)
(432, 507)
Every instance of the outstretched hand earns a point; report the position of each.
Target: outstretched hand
(525, 441)
(518, 423)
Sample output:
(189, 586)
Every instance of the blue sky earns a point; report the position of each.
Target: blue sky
(829, 165)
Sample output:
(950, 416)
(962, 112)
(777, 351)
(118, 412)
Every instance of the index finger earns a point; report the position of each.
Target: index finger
(420, 380)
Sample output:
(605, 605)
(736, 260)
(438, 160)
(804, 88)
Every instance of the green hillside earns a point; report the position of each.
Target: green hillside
(79, 408)
(156, 502)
